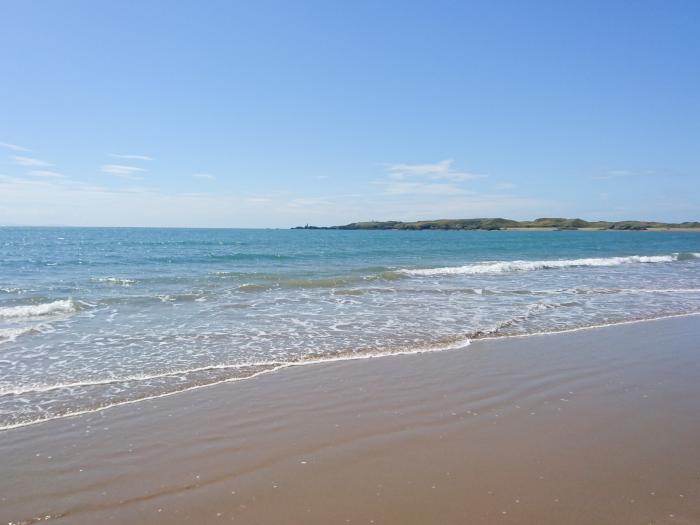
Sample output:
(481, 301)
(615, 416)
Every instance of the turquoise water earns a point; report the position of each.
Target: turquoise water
(93, 317)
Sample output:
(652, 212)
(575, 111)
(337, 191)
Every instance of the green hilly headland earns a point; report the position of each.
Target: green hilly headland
(555, 223)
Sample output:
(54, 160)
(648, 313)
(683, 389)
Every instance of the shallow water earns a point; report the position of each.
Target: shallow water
(92, 317)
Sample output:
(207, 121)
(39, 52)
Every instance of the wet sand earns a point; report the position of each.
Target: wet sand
(598, 426)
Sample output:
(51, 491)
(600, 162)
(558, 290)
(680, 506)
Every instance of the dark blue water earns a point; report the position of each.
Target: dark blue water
(92, 317)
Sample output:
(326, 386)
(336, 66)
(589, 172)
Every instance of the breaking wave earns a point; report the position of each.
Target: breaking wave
(64, 306)
(10, 334)
(114, 280)
(526, 266)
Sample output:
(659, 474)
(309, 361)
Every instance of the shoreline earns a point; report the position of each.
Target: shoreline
(459, 344)
(593, 426)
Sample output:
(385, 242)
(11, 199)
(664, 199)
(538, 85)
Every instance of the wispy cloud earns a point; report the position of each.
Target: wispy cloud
(505, 186)
(120, 170)
(438, 170)
(438, 178)
(130, 157)
(28, 161)
(45, 173)
(205, 176)
(13, 147)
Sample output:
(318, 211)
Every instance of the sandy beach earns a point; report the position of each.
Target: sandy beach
(380, 263)
(595, 426)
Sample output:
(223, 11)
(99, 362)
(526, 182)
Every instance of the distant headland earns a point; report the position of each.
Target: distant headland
(545, 223)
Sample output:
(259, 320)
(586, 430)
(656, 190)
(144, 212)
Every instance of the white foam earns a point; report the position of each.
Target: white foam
(10, 334)
(524, 266)
(351, 357)
(65, 306)
(115, 280)
(276, 366)
(661, 290)
(12, 290)
(269, 365)
(556, 331)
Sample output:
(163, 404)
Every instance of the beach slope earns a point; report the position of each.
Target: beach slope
(597, 426)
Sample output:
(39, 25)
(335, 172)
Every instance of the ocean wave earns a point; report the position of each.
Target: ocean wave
(300, 284)
(114, 280)
(197, 297)
(631, 291)
(220, 257)
(63, 306)
(13, 290)
(303, 284)
(10, 334)
(496, 267)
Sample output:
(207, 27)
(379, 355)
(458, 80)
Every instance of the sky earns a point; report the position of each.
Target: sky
(276, 114)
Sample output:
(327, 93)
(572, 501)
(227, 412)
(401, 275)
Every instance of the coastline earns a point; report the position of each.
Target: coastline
(593, 426)
(696, 230)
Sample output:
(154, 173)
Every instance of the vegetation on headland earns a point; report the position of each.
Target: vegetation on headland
(506, 224)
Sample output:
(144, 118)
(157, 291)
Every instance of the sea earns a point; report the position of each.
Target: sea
(92, 318)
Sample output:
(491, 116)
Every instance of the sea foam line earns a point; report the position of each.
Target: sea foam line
(524, 266)
(453, 346)
(34, 389)
(273, 365)
(348, 357)
(585, 327)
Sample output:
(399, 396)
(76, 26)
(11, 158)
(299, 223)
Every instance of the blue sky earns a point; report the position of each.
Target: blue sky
(273, 114)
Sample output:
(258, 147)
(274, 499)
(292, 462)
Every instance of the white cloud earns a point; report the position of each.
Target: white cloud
(13, 147)
(45, 173)
(119, 170)
(438, 170)
(130, 157)
(205, 176)
(28, 161)
(505, 186)
(439, 178)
